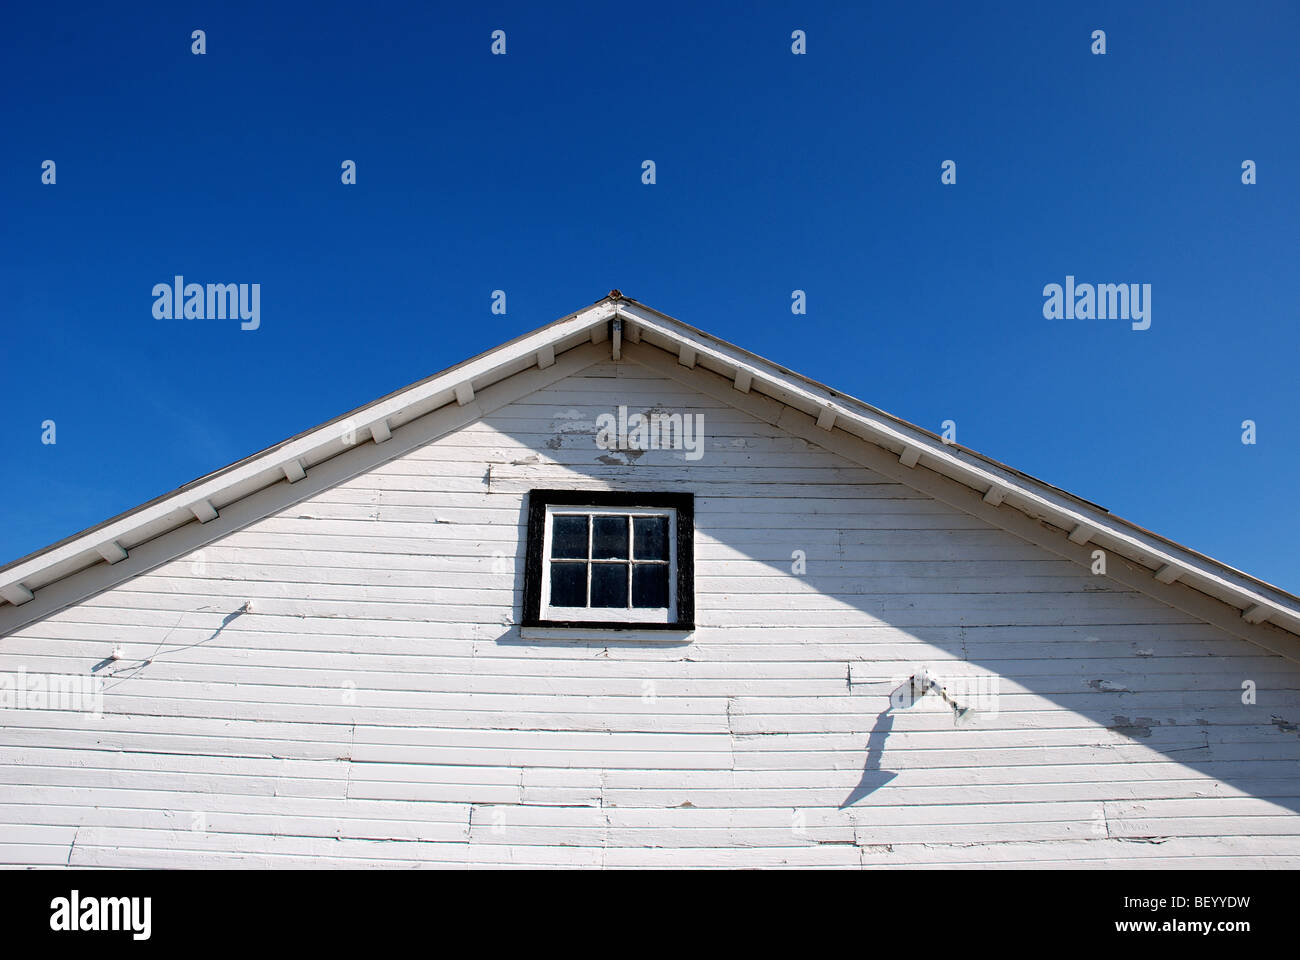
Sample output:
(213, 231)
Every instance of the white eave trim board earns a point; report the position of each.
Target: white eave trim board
(321, 443)
(1032, 498)
(1198, 602)
(71, 585)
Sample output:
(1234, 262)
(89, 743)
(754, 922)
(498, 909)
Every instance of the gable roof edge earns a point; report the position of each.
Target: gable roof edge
(202, 499)
(1082, 521)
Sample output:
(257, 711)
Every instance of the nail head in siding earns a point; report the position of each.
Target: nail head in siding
(1168, 573)
(546, 356)
(1081, 534)
(293, 471)
(826, 418)
(909, 456)
(743, 380)
(16, 594)
(686, 357)
(464, 394)
(111, 551)
(204, 511)
(379, 430)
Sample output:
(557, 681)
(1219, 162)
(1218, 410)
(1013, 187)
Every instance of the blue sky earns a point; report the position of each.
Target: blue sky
(775, 172)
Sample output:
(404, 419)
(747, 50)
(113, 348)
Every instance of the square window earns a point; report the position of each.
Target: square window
(611, 560)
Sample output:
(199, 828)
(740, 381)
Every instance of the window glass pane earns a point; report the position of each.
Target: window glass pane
(650, 585)
(569, 537)
(609, 538)
(568, 584)
(609, 584)
(651, 536)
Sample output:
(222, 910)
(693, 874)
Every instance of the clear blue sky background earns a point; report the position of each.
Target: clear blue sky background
(775, 172)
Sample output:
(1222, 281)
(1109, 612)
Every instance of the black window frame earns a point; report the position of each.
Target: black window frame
(682, 503)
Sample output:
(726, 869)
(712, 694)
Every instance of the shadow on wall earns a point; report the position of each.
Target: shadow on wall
(873, 777)
(134, 668)
(1094, 675)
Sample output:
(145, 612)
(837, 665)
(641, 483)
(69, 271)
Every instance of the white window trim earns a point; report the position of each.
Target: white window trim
(611, 615)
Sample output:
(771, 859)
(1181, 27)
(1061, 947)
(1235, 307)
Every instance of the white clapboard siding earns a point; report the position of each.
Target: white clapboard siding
(343, 683)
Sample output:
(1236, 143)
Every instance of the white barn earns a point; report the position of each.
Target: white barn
(475, 624)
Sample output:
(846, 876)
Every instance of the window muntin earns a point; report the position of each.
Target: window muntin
(609, 564)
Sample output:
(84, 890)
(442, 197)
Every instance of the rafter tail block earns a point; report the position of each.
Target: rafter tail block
(203, 511)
